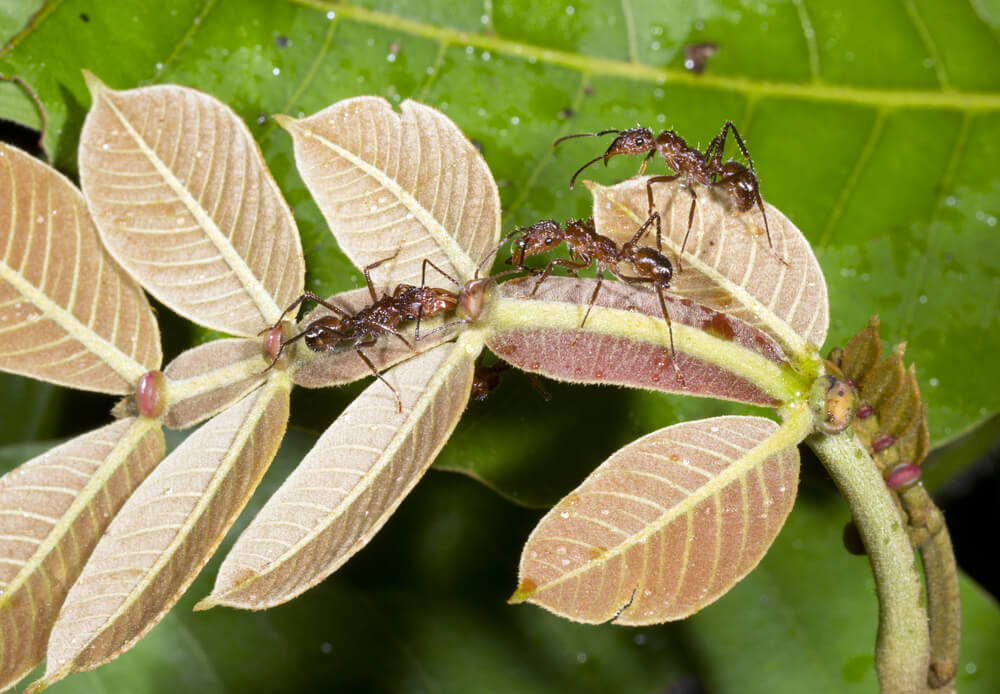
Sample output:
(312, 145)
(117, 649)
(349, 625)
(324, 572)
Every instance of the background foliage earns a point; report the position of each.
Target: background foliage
(873, 127)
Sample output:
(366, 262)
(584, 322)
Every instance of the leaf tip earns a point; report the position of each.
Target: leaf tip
(45, 681)
(287, 122)
(206, 603)
(525, 589)
(94, 83)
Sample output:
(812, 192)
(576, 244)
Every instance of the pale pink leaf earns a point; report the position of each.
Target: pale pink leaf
(53, 510)
(207, 379)
(165, 533)
(407, 183)
(666, 525)
(68, 313)
(351, 482)
(183, 200)
(727, 264)
(626, 341)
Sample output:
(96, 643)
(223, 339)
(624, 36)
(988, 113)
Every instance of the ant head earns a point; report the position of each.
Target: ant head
(538, 238)
(632, 141)
(741, 185)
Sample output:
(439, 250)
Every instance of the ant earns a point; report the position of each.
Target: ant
(586, 247)
(381, 317)
(707, 169)
(486, 379)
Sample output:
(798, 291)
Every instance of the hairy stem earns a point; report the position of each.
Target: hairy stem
(902, 646)
(930, 534)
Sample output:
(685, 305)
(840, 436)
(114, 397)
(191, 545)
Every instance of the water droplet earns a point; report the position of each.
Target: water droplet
(581, 657)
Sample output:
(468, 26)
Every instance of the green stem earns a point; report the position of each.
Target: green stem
(930, 535)
(902, 648)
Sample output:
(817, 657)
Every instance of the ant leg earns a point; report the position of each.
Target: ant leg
(593, 298)
(642, 230)
(645, 161)
(551, 266)
(423, 273)
(652, 208)
(739, 143)
(368, 277)
(302, 297)
(369, 343)
(666, 317)
(281, 348)
(694, 201)
(670, 330)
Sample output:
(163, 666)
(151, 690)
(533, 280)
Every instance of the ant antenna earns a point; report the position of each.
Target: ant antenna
(572, 181)
(570, 137)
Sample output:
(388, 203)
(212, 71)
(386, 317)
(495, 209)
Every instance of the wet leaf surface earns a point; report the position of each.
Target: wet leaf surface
(183, 200)
(663, 527)
(407, 186)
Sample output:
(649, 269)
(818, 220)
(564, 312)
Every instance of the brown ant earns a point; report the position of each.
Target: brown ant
(585, 247)
(486, 379)
(381, 317)
(707, 169)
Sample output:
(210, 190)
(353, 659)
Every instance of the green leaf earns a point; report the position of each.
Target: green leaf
(881, 151)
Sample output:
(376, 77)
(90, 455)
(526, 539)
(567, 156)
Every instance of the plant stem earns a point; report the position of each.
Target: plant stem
(902, 646)
(930, 534)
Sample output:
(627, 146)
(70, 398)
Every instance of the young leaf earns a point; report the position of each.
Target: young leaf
(727, 264)
(351, 482)
(626, 341)
(334, 367)
(408, 183)
(667, 524)
(207, 379)
(69, 313)
(165, 533)
(53, 509)
(184, 202)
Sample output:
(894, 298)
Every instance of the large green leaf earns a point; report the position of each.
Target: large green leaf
(871, 123)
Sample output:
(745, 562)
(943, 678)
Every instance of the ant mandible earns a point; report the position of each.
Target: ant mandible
(707, 169)
(381, 317)
(585, 247)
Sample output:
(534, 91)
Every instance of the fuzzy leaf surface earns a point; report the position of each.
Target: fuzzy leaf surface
(70, 315)
(166, 532)
(207, 379)
(666, 525)
(351, 482)
(407, 183)
(53, 510)
(727, 263)
(626, 341)
(184, 201)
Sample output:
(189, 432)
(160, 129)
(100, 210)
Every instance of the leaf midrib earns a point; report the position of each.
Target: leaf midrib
(789, 434)
(608, 67)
